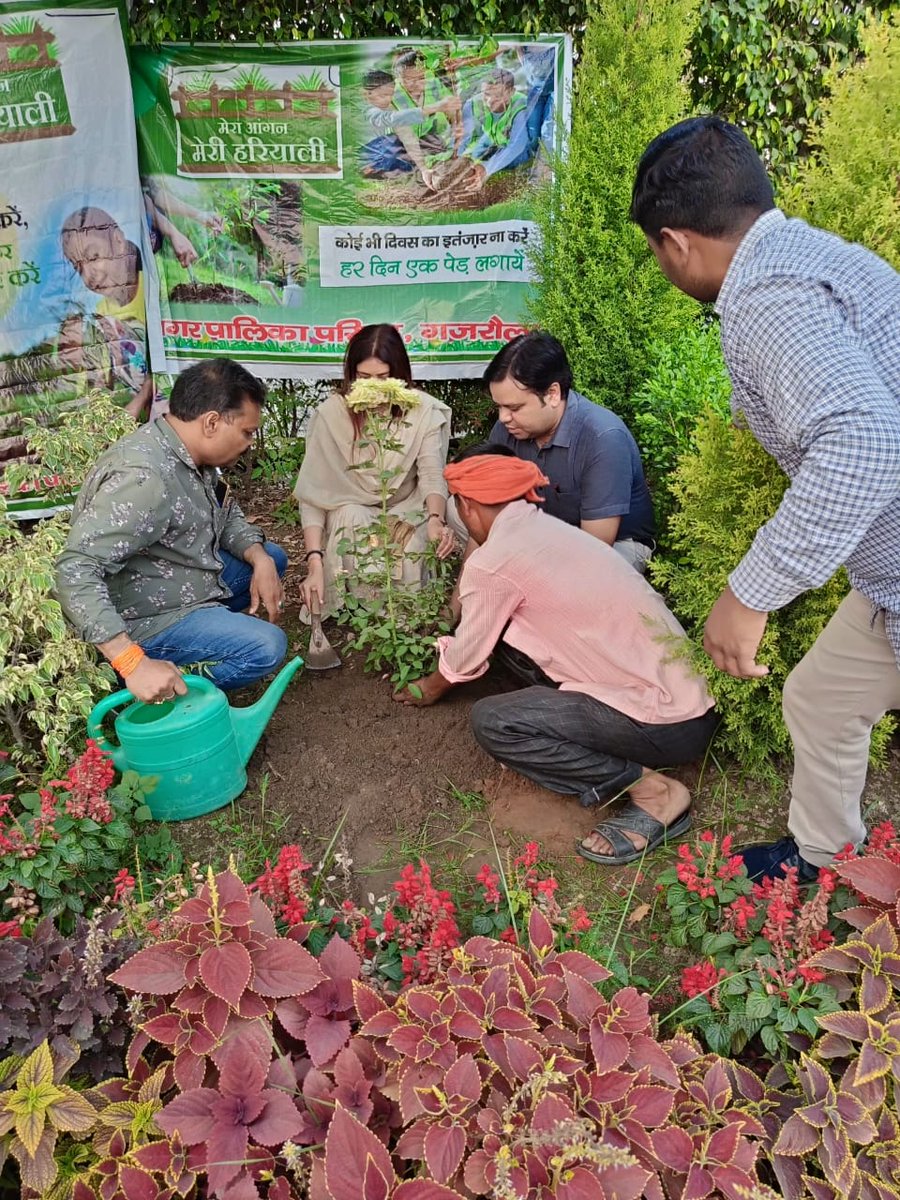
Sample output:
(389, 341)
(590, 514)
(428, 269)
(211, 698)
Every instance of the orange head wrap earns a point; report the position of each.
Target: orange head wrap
(494, 479)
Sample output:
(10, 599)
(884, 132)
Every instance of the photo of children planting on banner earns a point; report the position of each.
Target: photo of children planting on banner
(276, 183)
(459, 131)
(72, 313)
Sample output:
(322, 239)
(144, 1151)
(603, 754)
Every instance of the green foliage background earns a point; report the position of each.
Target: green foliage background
(599, 288)
(850, 183)
(49, 680)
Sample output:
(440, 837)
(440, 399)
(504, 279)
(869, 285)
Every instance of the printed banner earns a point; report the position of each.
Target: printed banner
(296, 193)
(72, 313)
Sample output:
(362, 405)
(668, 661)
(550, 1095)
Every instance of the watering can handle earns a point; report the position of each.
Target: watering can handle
(99, 711)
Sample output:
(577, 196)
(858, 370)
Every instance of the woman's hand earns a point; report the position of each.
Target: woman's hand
(314, 583)
(442, 535)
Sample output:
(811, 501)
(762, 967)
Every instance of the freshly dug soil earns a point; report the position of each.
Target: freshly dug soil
(209, 293)
(339, 743)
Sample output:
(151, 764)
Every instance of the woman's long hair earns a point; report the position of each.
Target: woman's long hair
(375, 341)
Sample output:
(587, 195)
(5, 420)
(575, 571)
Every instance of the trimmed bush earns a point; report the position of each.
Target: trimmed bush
(599, 289)
(688, 379)
(850, 184)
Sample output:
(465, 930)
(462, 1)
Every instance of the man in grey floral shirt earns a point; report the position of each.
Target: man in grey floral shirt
(811, 336)
(158, 568)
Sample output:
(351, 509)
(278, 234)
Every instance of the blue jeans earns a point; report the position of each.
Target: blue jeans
(236, 649)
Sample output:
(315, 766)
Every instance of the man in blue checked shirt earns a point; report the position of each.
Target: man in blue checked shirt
(811, 335)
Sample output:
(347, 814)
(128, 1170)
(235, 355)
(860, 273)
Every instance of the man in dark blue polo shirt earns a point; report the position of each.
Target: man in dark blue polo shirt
(587, 452)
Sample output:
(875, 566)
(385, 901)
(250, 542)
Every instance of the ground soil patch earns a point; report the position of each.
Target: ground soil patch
(209, 293)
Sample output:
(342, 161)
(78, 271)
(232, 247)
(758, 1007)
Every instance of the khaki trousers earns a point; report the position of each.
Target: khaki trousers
(844, 685)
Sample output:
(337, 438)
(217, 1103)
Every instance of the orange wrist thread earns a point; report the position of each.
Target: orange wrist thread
(124, 663)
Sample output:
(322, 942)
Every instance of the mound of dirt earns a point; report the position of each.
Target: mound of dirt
(407, 197)
(209, 293)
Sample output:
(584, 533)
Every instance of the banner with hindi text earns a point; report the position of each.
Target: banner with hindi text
(72, 313)
(296, 193)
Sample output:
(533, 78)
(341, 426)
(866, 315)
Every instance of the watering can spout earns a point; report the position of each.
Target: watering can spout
(249, 723)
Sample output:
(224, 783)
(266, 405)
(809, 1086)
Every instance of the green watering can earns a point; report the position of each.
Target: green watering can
(196, 744)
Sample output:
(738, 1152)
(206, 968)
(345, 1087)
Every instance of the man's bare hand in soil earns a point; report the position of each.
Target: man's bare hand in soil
(424, 692)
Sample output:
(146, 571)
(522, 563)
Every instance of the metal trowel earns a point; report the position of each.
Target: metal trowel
(321, 655)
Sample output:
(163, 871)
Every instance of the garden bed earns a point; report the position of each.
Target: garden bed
(339, 756)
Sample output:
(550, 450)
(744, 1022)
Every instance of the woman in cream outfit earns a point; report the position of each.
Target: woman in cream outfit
(339, 496)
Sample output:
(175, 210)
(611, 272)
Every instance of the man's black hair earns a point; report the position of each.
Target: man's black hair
(703, 174)
(377, 79)
(502, 76)
(484, 448)
(535, 360)
(218, 385)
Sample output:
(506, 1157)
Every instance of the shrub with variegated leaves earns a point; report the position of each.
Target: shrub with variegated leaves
(509, 1075)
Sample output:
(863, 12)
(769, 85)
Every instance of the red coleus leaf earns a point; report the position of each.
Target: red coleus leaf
(157, 970)
(226, 1149)
(550, 1112)
(154, 1156)
(411, 1143)
(465, 1027)
(350, 1148)
(407, 1039)
(872, 1064)
(583, 965)
(283, 968)
(367, 1002)
(875, 878)
(875, 993)
(136, 1184)
(851, 1025)
(244, 1188)
(340, 961)
(722, 1146)
(242, 1072)
(424, 1189)
(511, 1019)
(797, 1137)
(463, 1080)
(375, 1185)
(445, 1144)
(381, 1025)
(226, 970)
(324, 1038)
(417, 1079)
(651, 1105)
(190, 1113)
(190, 1070)
(165, 1029)
(645, 1051)
(582, 1183)
(278, 1121)
(540, 933)
(698, 1184)
(674, 1148)
(610, 1050)
(623, 1183)
(293, 1015)
(584, 999)
(523, 1058)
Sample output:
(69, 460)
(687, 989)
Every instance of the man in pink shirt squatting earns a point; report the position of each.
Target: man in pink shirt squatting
(612, 700)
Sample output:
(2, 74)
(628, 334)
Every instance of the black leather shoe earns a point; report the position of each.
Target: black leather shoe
(771, 859)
